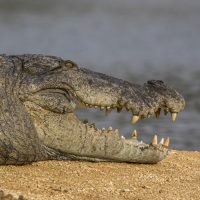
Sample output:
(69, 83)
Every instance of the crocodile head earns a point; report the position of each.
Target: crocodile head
(52, 89)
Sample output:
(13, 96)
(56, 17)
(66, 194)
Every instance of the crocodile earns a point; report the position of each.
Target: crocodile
(39, 97)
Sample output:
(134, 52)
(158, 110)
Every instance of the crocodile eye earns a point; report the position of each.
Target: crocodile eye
(70, 64)
(54, 100)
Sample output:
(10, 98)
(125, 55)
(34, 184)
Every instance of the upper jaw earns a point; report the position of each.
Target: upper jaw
(99, 90)
(143, 101)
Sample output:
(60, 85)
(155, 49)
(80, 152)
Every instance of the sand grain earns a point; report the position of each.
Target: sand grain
(177, 177)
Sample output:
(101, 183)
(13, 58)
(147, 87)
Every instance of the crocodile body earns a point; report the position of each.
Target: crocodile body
(39, 95)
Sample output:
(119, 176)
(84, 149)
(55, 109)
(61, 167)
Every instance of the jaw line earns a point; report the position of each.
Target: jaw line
(164, 143)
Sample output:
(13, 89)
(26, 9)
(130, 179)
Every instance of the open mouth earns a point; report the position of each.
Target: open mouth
(161, 144)
(60, 128)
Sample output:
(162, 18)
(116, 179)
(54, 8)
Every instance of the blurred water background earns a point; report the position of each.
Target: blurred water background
(135, 40)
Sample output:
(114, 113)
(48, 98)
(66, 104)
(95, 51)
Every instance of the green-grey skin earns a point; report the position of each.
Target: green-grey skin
(39, 95)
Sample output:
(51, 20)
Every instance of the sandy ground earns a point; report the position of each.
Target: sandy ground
(177, 177)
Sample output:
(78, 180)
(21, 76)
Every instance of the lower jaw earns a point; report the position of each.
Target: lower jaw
(141, 156)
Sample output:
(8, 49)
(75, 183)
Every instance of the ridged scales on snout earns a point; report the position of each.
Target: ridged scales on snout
(39, 95)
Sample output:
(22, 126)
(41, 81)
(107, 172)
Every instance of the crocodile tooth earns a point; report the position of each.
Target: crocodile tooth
(108, 107)
(166, 142)
(157, 113)
(173, 116)
(154, 140)
(134, 135)
(135, 118)
(122, 137)
(87, 104)
(116, 131)
(103, 129)
(162, 141)
(102, 107)
(119, 109)
(110, 128)
(96, 106)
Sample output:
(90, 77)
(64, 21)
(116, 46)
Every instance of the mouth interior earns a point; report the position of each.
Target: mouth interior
(90, 113)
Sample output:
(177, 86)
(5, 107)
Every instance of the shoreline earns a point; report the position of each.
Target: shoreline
(176, 177)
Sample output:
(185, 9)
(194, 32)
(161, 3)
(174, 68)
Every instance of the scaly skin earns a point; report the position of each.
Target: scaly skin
(39, 95)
